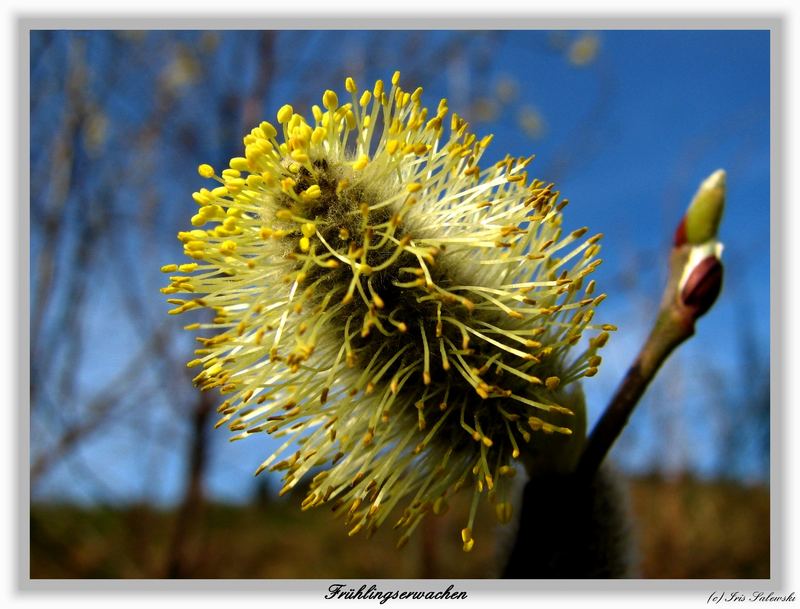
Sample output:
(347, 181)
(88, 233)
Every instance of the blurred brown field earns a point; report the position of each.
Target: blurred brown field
(686, 529)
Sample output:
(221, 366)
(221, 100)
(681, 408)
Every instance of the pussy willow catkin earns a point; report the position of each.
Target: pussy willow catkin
(400, 315)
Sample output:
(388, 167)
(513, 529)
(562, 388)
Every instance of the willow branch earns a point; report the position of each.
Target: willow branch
(695, 280)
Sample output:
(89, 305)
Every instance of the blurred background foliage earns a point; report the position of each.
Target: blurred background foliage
(127, 478)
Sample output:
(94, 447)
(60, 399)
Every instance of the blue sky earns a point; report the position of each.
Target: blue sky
(639, 129)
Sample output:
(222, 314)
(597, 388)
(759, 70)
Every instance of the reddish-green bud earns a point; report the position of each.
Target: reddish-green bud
(702, 286)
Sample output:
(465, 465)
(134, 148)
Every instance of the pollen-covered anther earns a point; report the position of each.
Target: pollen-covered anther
(504, 512)
(466, 537)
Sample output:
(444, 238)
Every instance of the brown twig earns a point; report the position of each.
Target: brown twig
(673, 326)
(695, 279)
